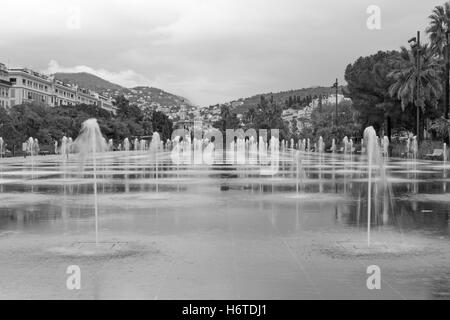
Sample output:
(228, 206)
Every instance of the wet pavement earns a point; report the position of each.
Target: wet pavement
(223, 231)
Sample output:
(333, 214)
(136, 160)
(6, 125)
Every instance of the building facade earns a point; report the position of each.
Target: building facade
(5, 87)
(106, 103)
(18, 86)
(30, 86)
(65, 94)
(87, 96)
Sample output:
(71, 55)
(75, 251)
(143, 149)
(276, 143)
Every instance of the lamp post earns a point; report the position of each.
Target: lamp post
(415, 44)
(336, 85)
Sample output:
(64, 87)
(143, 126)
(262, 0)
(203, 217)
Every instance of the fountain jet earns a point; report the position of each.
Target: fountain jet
(91, 141)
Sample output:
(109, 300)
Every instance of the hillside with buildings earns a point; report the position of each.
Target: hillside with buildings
(242, 105)
(143, 97)
(297, 103)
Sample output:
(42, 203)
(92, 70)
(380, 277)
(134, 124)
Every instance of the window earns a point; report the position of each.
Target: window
(13, 81)
(24, 81)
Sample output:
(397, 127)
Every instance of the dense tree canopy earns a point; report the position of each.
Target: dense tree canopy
(368, 87)
(321, 124)
(48, 124)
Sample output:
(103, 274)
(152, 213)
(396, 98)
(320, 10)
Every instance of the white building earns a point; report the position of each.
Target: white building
(28, 86)
(5, 87)
(18, 86)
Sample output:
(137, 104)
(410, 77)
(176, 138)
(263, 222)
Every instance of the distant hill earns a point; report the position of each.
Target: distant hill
(141, 96)
(242, 105)
(88, 81)
(155, 95)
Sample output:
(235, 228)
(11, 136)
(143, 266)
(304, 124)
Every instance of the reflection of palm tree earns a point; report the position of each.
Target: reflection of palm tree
(407, 78)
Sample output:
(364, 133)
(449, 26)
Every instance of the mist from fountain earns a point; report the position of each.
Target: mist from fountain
(126, 144)
(321, 145)
(385, 146)
(209, 153)
(110, 145)
(376, 173)
(253, 151)
(415, 148)
(444, 148)
(198, 151)
(155, 148)
(240, 151)
(2, 146)
(91, 141)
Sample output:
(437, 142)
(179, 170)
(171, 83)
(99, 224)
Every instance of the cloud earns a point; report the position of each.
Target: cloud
(206, 50)
(126, 78)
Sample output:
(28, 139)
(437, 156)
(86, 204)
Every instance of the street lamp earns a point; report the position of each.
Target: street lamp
(415, 45)
(336, 85)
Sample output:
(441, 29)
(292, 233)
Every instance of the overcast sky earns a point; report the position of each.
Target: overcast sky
(209, 51)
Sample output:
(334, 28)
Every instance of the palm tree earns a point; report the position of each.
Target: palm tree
(437, 31)
(406, 76)
(250, 115)
(408, 79)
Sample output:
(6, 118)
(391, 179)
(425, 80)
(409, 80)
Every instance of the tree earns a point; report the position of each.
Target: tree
(437, 31)
(407, 78)
(127, 111)
(162, 124)
(269, 116)
(7, 131)
(368, 85)
(294, 131)
(250, 115)
(48, 124)
(319, 124)
(228, 120)
(441, 128)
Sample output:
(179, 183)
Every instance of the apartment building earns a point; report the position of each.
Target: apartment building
(28, 85)
(65, 94)
(106, 103)
(87, 96)
(23, 85)
(5, 87)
